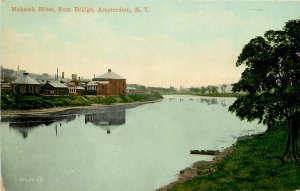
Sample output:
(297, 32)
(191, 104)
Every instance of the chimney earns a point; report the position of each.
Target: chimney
(94, 75)
(62, 75)
(57, 74)
(109, 70)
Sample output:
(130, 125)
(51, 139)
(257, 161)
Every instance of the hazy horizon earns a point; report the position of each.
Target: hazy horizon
(177, 43)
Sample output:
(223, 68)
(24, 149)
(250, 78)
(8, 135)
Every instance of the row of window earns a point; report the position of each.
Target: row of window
(31, 89)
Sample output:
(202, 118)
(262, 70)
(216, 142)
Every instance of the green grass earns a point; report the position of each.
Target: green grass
(145, 97)
(26, 102)
(255, 164)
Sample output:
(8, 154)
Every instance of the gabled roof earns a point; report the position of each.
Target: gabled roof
(25, 79)
(109, 75)
(57, 85)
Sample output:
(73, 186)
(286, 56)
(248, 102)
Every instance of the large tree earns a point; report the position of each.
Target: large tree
(271, 83)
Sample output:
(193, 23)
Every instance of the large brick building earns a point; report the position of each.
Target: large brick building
(110, 83)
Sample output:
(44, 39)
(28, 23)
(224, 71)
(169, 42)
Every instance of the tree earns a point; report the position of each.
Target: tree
(202, 90)
(271, 83)
(212, 89)
(223, 87)
(194, 90)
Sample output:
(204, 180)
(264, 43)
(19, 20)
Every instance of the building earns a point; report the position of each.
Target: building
(74, 77)
(5, 87)
(79, 90)
(110, 83)
(26, 85)
(91, 88)
(104, 88)
(54, 88)
(133, 90)
(71, 87)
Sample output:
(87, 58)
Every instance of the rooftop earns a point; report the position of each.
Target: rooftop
(95, 83)
(79, 88)
(109, 75)
(57, 85)
(25, 79)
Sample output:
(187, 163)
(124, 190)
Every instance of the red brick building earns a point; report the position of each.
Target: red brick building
(110, 83)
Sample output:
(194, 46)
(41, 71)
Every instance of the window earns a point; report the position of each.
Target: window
(23, 89)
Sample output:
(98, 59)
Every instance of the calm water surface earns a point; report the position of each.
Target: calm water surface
(117, 148)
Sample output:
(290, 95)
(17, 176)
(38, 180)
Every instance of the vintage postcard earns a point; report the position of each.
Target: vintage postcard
(143, 95)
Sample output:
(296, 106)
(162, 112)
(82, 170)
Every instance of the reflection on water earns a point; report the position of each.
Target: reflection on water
(24, 124)
(107, 120)
(150, 146)
(208, 101)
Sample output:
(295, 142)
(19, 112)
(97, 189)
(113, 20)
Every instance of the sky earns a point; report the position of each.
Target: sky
(187, 43)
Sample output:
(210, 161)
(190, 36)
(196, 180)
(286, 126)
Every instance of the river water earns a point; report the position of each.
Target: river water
(137, 148)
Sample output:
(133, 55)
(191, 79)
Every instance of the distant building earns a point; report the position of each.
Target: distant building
(54, 88)
(5, 87)
(26, 85)
(133, 90)
(91, 88)
(79, 90)
(74, 77)
(71, 87)
(110, 83)
(104, 88)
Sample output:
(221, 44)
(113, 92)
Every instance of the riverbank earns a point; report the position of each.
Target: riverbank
(73, 108)
(20, 104)
(252, 164)
(202, 167)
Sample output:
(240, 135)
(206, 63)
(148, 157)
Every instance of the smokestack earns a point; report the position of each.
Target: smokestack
(57, 74)
(62, 75)
(94, 76)
(109, 70)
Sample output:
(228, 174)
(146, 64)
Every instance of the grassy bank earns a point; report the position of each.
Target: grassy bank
(26, 102)
(255, 164)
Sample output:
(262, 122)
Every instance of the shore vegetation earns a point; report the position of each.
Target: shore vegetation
(254, 164)
(10, 101)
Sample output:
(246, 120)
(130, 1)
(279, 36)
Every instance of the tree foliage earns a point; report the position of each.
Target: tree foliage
(271, 79)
